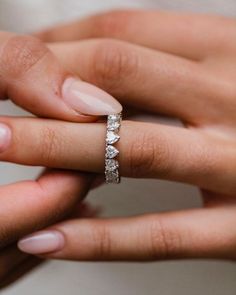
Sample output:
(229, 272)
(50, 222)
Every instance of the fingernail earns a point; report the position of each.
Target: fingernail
(5, 137)
(42, 242)
(88, 99)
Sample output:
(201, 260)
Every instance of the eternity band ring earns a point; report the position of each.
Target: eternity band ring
(112, 174)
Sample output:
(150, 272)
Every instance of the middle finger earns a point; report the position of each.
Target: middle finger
(146, 150)
(148, 79)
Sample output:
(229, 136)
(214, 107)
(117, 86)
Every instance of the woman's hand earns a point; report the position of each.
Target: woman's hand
(14, 264)
(32, 77)
(182, 66)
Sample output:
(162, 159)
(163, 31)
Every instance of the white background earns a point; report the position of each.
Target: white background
(132, 197)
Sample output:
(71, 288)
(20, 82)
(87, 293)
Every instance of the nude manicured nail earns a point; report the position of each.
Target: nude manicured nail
(5, 137)
(88, 99)
(42, 242)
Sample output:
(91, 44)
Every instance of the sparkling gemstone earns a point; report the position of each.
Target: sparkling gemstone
(115, 117)
(114, 122)
(112, 177)
(112, 137)
(113, 125)
(111, 152)
(111, 165)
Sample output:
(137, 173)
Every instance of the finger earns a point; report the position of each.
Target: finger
(146, 150)
(199, 233)
(28, 205)
(14, 263)
(146, 79)
(32, 77)
(190, 35)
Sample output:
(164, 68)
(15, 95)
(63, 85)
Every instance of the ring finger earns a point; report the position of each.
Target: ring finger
(146, 150)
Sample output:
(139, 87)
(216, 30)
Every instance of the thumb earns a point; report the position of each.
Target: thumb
(32, 77)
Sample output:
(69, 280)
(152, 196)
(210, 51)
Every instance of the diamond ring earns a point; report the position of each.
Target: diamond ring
(112, 174)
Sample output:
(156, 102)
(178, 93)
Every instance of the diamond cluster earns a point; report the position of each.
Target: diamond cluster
(112, 137)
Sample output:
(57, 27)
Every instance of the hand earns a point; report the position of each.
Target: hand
(32, 77)
(182, 66)
(15, 264)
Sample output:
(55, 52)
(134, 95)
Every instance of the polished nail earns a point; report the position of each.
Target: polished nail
(42, 242)
(88, 99)
(5, 137)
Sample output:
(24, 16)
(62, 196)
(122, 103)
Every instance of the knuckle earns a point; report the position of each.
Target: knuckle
(165, 242)
(112, 23)
(148, 154)
(55, 208)
(50, 145)
(21, 53)
(142, 154)
(112, 63)
(102, 241)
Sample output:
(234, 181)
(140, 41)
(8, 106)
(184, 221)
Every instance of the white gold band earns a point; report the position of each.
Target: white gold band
(112, 174)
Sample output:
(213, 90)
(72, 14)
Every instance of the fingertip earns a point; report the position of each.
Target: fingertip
(88, 99)
(42, 242)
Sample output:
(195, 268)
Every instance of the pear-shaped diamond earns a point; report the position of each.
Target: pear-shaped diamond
(112, 177)
(112, 137)
(111, 152)
(113, 122)
(114, 118)
(113, 126)
(111, 165)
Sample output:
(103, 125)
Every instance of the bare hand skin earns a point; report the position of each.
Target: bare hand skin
(182, 66)
(31, 205)
(14, 264)
(33, 78)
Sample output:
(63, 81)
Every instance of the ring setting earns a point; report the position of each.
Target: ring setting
(112, 174)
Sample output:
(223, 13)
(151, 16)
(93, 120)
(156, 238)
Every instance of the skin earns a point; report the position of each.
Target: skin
(15, 264)
(54, 195)
(189, 63)
(191, 77)
(50, 198)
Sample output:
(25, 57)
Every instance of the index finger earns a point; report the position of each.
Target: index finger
(33, 78)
